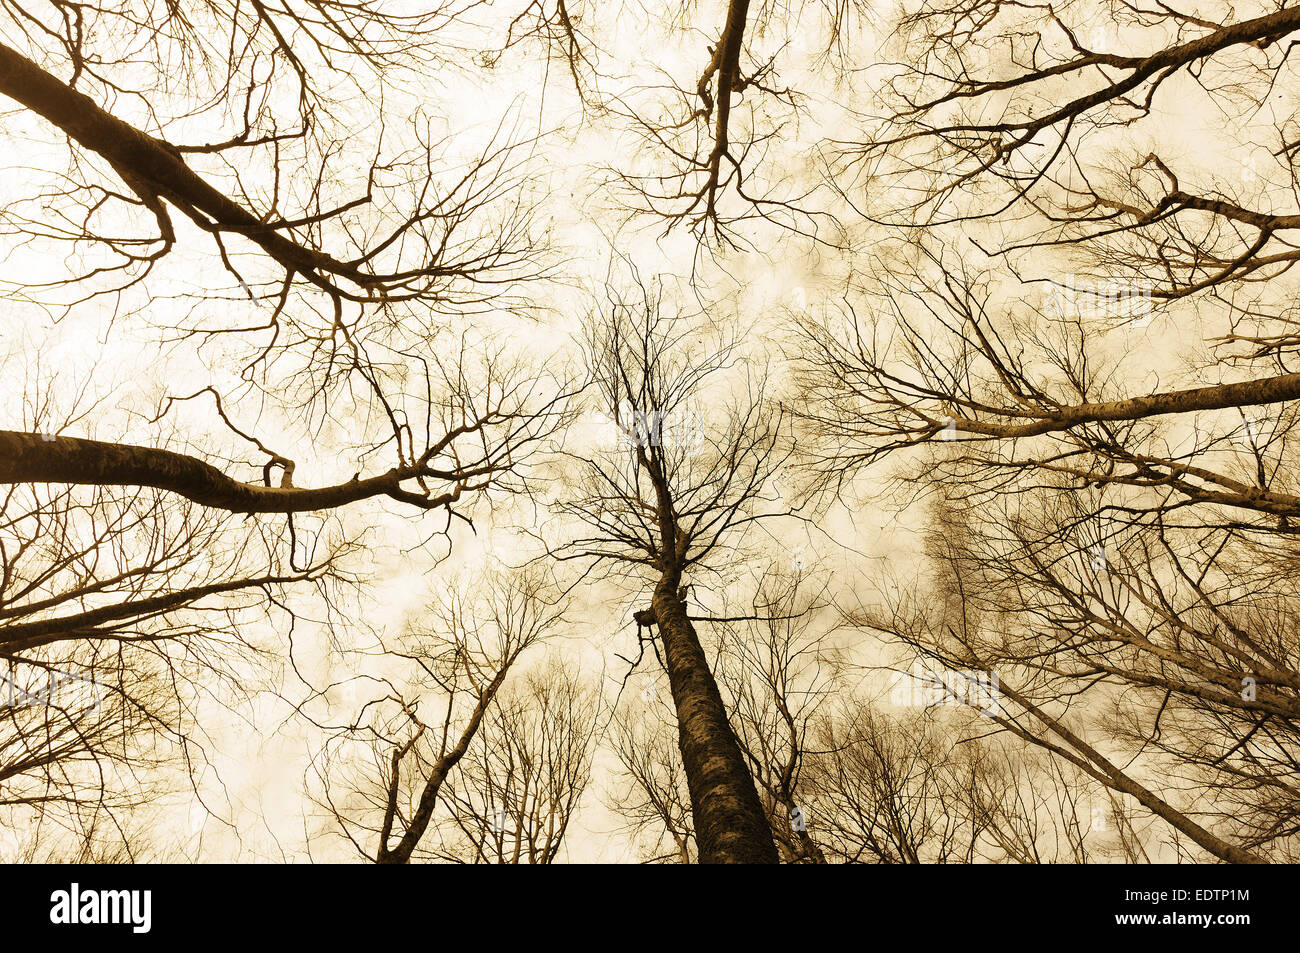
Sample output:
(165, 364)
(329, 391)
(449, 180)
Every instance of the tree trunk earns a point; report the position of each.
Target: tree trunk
(730, 827)
(419, 822)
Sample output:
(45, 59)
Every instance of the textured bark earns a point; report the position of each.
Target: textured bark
(1266, 390)
(37, 458)
(401, 852)
(725, 66)
(730, 826)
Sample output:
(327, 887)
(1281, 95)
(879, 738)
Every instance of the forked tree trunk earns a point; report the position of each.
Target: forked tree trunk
(419, 822)
(730, 826)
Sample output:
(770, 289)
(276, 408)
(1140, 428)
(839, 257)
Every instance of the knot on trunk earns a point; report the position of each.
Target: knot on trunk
(645, 617)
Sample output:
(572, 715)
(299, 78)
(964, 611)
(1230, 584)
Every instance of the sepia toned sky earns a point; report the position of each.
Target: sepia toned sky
(109, 365)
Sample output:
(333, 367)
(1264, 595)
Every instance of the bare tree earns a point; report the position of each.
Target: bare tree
(516, 792)
(351, 285)
(381, 775)
(928, 784)
(1123, 557)
(669, 507)
(1063, 637)
(241, 65)
(890, 793)
(649, 790)
(196, 164)
(121, 620)
(490, 426)
(711, 138)
(776, 670)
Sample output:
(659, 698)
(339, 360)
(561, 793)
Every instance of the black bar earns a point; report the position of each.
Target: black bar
(327, 903)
